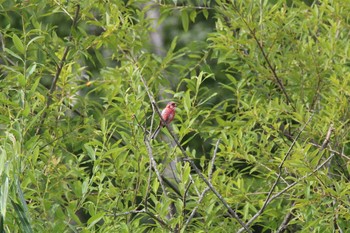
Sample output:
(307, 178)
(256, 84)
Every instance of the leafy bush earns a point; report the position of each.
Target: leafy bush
(260, 138)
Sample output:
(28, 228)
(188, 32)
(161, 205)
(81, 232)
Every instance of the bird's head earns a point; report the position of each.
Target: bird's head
(171, 105)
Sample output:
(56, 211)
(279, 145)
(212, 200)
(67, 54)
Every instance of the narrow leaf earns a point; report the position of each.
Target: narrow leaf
(18, 43)
(185, 20)
(24, 222)
(95, 219)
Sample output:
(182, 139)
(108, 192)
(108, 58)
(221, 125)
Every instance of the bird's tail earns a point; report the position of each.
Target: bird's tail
(154, 135)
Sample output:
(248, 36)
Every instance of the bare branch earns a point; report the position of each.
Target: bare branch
(154, 166)
(269, 197)
(59, 67)
(287, 188)
(194, 211)
(282, 163)
(127, 213)
(327, 139)
(266, 58)
(202, 195)
(325, 142)
(63, 59)
(211, 169)
(286, 220)
(331, 150)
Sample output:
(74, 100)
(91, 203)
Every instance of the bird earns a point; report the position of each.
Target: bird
(167, 115)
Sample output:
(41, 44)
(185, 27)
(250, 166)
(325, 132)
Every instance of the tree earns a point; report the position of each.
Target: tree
(259, 142)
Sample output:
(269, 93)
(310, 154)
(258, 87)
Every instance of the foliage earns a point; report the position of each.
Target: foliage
(261, 131)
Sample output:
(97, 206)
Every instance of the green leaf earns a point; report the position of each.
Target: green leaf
(21, 80)
(185, 20)
(85, 187)
(34, 39)
(186, 172)
(18, 43)
(13, 54)
(155, 186)
(31, 69)
(187, 102)
(205, 13)
(3, 156)
(4, 196)
(90, 151)
(193, 15)
(95, 219)
(34, 86)
(23, 218)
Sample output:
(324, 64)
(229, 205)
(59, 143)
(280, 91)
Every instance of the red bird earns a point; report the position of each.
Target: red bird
(168, 115)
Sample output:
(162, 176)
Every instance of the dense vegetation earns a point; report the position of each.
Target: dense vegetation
(260, 140)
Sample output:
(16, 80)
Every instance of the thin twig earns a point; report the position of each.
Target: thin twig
(262, 50)
(268, 198)
(331, 150)
(154, 166)
(63, 59)
(286, 189)
(210, 171)
(328, 136)
(148, 186)
(59, 67)
(286, 220)
(127, 213)
(302, 178)
(282, 163)
(325, 142)
(194, 211)
(270, 170)
(201, 197)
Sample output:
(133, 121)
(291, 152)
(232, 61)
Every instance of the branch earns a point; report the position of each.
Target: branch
(286, 220)
(63, 59)
(127, 213)
(194, 211)
(210, 172)
(302, 178)
(289, 137)
(332, 151)
(287, 188)
(59, 68)
(193, 165)
(261, 48)
(159, 177)
(281, 166)
(154, 165)
(202, 195)
(327, 139)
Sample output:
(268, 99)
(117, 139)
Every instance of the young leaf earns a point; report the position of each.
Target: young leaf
(18, 43)
(185, 20)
